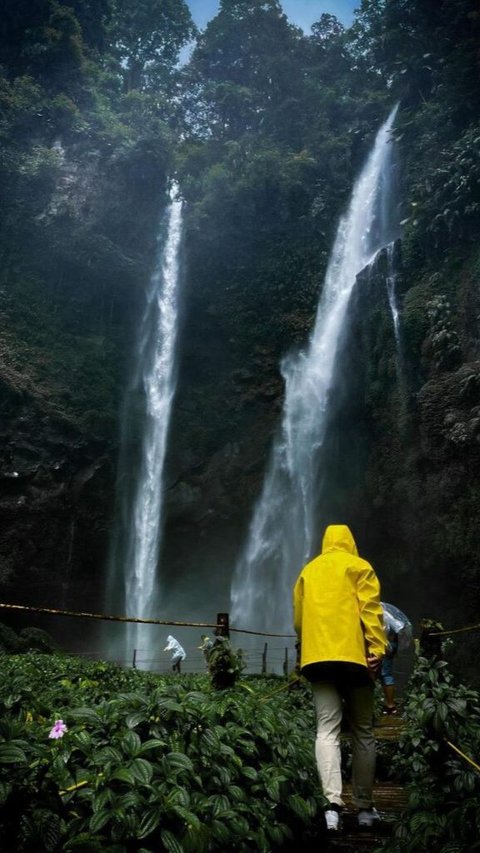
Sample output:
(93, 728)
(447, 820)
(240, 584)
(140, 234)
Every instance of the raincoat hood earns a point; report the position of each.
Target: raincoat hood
(338, 537)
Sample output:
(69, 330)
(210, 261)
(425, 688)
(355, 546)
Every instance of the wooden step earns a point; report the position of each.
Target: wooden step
(390, 801)
(388, 727)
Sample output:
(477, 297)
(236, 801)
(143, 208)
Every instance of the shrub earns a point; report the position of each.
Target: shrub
(148, 763)
(444, 789)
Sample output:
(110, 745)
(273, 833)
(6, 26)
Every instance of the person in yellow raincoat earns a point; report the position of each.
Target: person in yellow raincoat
(338, 620)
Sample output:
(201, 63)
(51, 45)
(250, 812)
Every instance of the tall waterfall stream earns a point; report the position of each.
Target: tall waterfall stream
(133, 581)
(286, 523)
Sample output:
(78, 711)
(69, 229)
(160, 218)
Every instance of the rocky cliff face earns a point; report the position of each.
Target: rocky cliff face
(410, 436)
(403, 449)
(73, 288)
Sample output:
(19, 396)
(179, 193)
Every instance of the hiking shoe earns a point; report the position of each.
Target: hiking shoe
(332, 819)
(367, 817)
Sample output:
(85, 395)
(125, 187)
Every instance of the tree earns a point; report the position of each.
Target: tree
(147, 36)
(246, 64)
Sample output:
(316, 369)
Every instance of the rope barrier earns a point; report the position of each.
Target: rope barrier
(262, 633)
(454, 631)
(84, 615)
(459, 751)
(279, 689)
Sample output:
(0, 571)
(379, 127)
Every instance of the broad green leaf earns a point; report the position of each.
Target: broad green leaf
(169, 705)
(99, 820)
(11, 754)
(83, 841)
(87, 715)
(124, 774)
(180, 761)
(131, 744)
(170, 842)
(132, 799)
(102, 799)
(221, 832)
(236, 793)
(141, 769)
(210, 739)
(135, 719)
(239, 826)
(81, 739)
(273, 789)
(148, 822)
(5, 789)
(108, 754)
(223, 775)
(250, 772)
(153, 743)
(220, 803)
(188, 816)
(301, 807)
(179, 796)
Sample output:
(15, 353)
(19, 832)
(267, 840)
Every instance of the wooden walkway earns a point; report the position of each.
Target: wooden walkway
(390, 801)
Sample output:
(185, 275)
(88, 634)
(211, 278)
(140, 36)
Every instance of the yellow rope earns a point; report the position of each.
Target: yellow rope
(454, 631)
(110, 618)
(279, 689)
(83, 615)
(262, 633)
(74, 787)
(470, 760)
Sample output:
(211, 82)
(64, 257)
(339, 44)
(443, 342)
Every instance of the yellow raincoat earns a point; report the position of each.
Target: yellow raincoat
(337, 610)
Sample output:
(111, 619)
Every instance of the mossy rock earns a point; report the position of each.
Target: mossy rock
(35, 639)
(9, 640)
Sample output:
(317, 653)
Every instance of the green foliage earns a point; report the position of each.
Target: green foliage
(148, 762)
(225, 665)
(27, 640)
(428, 53)
(147, 36)
(78, 154)
(444, 339)
(444, 789)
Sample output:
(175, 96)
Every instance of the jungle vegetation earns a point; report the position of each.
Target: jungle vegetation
(265, 128)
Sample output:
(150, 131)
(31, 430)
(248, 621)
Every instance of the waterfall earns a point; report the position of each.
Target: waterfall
(392, 295)
(133, 583)
(285, 524)
(402, 385)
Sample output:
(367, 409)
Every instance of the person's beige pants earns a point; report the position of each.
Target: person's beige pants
(359, 710)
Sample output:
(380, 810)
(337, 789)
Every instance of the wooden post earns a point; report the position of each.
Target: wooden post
(285, 662)
(264, 659)
(223, 622)
(134, 661)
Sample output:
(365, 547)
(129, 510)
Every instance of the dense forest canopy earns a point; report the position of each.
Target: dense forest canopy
(264, 128)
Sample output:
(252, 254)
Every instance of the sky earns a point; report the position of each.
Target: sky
(303, 13)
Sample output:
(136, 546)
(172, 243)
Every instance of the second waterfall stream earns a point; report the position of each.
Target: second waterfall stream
(284, 529)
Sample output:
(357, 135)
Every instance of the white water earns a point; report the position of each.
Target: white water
(133, 571)
(392, 296)
(286, 523)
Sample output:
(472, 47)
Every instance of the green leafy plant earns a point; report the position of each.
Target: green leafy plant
(444, 788)
(225, 664)
(142, 762)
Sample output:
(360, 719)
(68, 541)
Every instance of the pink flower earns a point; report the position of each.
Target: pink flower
(58, 730)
